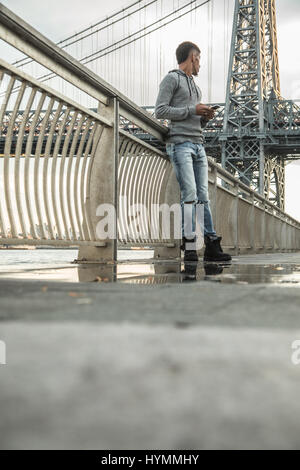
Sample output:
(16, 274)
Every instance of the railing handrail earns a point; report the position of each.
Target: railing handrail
(12, 70)
(222, 172)
(27, 33)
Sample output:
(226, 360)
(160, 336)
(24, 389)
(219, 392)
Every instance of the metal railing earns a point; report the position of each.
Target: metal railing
(45, 190)
(62, 161)
(248, 222)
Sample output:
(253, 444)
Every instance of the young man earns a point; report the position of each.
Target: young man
(179, 100)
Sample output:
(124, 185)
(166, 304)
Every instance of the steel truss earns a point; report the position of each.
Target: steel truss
(253, 80)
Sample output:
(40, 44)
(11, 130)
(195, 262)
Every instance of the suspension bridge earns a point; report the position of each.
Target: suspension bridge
(73, 136)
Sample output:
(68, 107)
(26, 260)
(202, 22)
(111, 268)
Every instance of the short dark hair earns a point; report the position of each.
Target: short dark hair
(184, 49)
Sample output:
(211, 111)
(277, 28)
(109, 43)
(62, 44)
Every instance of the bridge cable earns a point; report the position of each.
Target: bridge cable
(88, 59)
(141, 30)
(92, 32)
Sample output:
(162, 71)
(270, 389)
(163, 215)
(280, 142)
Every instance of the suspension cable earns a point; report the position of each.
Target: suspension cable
(210, 47)
(147, 33)
(90, 28)
(88, 59)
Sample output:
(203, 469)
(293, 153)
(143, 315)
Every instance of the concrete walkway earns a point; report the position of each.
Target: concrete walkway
(161, 366)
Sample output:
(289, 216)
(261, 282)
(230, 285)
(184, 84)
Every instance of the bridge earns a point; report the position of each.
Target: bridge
(62, 160)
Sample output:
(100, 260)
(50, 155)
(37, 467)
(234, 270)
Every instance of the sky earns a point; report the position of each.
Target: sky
(56, 19)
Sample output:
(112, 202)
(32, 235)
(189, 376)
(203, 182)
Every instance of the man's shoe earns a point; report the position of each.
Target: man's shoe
(213, 250)
(189, 254)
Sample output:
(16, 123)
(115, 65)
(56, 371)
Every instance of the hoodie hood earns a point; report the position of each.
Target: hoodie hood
(190, 80)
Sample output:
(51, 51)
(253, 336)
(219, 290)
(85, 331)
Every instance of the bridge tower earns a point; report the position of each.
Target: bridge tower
(253, 81)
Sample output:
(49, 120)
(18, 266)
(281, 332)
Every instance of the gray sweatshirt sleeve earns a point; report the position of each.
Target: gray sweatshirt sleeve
(163, 110)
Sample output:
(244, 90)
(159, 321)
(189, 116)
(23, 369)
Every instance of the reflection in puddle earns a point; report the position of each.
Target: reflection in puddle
(140, 268)
(161, 273)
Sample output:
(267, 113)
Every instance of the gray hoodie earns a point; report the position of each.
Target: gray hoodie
(176, 101)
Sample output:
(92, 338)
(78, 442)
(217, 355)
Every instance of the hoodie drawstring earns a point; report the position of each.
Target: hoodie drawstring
(194, 85)
(188, 82)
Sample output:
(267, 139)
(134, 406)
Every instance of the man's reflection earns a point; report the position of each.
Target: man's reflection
(190, 270)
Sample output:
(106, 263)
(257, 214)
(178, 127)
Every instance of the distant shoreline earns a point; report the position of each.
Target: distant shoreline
(27, 248)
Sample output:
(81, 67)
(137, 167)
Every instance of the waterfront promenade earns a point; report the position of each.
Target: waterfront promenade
(169, 365)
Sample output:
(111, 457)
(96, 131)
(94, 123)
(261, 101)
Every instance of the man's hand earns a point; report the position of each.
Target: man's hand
(205, 111)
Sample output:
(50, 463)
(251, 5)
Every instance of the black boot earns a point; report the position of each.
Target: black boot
(213, 250)
(189, 254)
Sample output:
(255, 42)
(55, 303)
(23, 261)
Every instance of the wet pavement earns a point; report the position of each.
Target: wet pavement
(139, 267)
(141, 355)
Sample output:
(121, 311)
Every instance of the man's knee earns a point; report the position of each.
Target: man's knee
(206, 201)
(189, 198)
(203, 199)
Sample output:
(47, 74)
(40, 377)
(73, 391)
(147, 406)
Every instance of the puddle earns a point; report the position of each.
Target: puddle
(139, 267)
(153, 272)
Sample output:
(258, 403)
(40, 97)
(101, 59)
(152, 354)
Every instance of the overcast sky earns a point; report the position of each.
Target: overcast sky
(56, 19)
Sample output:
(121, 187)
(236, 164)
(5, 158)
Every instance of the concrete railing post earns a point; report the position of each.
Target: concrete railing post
(252, 225)
(236, 218)
(264, 228)
(170, 194)
(103, 188)
(213, 187)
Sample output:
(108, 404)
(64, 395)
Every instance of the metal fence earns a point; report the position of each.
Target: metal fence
(45, 187)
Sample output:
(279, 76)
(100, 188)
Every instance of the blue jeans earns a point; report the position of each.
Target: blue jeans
(190, 164)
